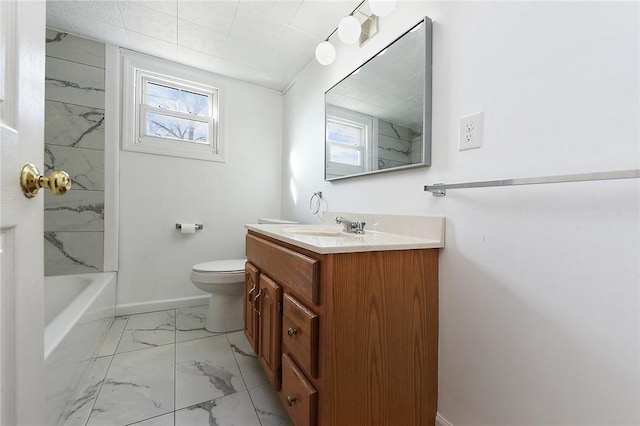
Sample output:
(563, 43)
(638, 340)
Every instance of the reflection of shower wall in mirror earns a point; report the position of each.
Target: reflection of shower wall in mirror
(416, 148)
(394, 145)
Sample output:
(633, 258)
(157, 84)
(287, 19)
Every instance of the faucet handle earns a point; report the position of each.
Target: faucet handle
(358, 227)
(351, 227)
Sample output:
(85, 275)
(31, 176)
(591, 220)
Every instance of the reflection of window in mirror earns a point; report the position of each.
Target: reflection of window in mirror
(348, 142)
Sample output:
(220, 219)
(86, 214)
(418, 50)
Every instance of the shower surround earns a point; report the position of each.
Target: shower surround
(74, 142)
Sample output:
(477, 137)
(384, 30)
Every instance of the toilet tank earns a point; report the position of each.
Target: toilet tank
(266, 220)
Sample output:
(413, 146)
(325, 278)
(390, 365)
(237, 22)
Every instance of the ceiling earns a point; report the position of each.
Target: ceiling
(266, 42)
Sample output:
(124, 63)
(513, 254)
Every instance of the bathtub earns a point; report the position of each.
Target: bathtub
(78, 312)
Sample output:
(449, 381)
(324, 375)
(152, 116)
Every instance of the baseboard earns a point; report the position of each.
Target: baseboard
(441, 421)
(160, 305)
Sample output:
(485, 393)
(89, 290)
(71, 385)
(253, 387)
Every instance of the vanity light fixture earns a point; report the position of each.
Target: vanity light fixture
(352, 29)
(325, 53)
(349, 29)
(382, 7)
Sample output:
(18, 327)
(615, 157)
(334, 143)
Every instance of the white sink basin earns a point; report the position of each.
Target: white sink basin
(315, 230)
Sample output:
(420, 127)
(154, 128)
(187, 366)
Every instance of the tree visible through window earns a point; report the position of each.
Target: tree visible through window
(176, 113)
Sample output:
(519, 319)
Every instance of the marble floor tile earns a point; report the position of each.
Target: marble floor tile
(230, 410)
(139, 385)
(270, 410)
(252, 373)
(205, 369)
(148, 330)
(190, 323)
(163, 420)
(113, 336)
(81, 408)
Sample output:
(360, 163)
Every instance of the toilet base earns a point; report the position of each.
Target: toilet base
(225, 313)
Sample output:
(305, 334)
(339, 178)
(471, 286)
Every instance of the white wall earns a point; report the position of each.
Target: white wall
(539, 299)
(158, 191)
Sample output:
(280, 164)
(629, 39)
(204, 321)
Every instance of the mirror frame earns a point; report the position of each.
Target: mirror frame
(426, 106)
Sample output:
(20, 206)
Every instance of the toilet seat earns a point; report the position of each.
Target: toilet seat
(230, 271)
(221, 266)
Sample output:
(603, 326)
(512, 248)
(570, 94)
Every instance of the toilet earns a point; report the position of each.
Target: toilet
(224, 279)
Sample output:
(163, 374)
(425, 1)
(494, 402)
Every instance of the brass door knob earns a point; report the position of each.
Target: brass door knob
(31, 181)
(292, 331)
(291, 400)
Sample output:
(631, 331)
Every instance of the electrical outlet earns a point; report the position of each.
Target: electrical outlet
(470, 131)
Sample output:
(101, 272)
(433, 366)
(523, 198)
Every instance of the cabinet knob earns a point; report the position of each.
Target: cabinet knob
(291, 400)
(292, 331)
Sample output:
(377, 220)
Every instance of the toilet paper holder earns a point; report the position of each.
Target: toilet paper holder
(199, 227)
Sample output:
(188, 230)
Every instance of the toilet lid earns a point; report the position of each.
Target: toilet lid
(230, 265)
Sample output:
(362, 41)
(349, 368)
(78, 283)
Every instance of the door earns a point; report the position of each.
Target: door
(22, 40)
(251, 276)
(270, 329)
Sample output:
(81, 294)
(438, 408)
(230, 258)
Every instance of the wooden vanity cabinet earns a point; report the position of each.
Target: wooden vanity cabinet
(356, 333)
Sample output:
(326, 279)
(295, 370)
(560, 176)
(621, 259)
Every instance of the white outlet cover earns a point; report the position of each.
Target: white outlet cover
(470, 131)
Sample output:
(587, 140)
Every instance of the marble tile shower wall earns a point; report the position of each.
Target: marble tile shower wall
(395, 147)
(74, 142)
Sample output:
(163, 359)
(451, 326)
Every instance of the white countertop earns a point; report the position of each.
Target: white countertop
(399, 233)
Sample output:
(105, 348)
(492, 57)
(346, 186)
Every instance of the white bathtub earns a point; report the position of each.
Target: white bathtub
(78, 312)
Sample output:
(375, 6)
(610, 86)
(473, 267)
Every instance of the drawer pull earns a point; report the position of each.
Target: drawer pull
(291, 400)
(292, 331)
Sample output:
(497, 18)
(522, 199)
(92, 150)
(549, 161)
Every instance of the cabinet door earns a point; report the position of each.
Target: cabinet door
(251, 288)
(270, 328)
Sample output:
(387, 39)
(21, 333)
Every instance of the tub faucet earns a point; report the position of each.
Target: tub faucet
(351, 227)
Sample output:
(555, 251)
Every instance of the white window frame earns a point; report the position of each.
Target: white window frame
(364, 124)
(137, 70)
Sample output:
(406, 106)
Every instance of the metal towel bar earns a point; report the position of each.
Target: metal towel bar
(440, 189)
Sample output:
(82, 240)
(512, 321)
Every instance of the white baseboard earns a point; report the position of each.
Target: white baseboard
(161, 305)
(441, 421)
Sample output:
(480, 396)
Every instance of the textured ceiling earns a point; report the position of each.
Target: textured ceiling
(262, 42)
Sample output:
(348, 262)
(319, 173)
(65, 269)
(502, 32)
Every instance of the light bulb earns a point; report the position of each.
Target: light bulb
(349, 29)
(382, 7)
(325, 53)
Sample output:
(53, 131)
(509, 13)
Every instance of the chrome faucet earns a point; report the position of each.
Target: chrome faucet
(351, 227)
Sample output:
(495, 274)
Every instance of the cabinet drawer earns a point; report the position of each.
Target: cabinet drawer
(300, 334)
(299, 397)
(298, 272)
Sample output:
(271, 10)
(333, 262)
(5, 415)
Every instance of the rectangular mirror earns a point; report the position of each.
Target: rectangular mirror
(378, 118)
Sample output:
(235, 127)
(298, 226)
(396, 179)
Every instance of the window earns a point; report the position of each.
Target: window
(346, 141)
(348, 138)
(170, 109)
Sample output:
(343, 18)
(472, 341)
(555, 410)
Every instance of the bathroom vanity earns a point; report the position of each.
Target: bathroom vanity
(344, 325)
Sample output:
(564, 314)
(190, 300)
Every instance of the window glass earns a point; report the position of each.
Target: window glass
(344, 155)
(176, 99)
(344, 133)
(166, 126)
(345, 141)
